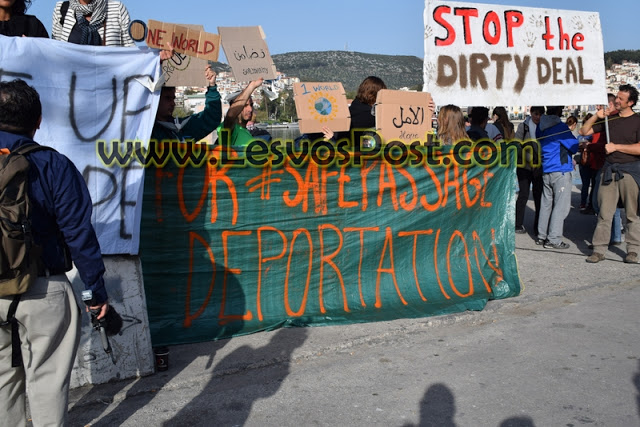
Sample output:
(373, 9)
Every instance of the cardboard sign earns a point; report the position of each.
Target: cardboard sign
(485, 54)
(321, 104)
(402, 115)
(247, 53)
(184, 70)
(186, 39)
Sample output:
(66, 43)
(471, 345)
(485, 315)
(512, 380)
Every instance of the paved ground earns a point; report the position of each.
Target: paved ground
(564, 353)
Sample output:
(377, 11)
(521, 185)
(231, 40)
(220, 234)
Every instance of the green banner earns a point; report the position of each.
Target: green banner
(232, 250)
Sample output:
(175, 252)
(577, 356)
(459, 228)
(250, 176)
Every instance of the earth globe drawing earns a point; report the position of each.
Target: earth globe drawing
(323, 106)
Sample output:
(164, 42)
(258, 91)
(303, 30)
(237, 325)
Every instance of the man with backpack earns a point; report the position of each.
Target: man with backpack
(47, 226)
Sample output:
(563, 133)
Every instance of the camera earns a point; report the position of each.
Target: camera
(108, 326)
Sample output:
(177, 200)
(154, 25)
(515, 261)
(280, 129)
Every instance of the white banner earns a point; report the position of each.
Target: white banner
(92, 94)
(483, 54)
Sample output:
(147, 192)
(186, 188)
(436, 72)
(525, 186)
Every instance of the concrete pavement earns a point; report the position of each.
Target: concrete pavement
(565, 352)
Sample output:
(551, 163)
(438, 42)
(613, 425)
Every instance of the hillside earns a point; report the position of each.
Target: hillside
(617, 56)
(350, 68)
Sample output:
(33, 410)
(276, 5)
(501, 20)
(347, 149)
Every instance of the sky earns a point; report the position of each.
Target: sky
(369, 26)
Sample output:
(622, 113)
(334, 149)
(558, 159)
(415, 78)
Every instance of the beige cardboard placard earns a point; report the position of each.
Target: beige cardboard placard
(184, 70)
(247, 53)
(403, 116)
(187, 39)
(321, 104)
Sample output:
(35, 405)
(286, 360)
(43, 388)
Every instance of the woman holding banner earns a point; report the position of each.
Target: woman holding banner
(14, 22)
(92, 22)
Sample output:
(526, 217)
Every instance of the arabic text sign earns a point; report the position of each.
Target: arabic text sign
(321, 104)
(403, 116)
(247, 53)
(229, 251)
(81, 106)
(503, 55)
(185, 39)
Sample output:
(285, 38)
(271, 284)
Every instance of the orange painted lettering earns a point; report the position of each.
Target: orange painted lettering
(388, 243)
(387, 170)
(342, 180)
(436, 183)
(189, 318)
(361, 231)
(226, 318)
(415, 235)
(459, 235)
(303, 304)
(262, 260)
(328, 259)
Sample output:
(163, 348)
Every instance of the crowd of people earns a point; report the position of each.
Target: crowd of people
(608, 159)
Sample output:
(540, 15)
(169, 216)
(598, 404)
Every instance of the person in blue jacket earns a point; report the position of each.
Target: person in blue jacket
(48, 314)
(557, 144)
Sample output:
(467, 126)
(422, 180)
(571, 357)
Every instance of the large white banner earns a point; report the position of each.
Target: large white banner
(91, 94)
(483, 54)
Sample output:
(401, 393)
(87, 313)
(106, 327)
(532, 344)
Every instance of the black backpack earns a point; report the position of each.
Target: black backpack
(19, 255)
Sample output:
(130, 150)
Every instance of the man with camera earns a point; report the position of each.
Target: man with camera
(47, 316)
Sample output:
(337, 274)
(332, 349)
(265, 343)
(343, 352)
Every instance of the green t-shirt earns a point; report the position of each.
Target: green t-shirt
(240, 136)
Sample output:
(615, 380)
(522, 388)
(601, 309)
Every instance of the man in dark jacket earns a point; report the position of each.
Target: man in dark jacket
(557, 144)
(529, 175)
(191, 128)
(48, 314)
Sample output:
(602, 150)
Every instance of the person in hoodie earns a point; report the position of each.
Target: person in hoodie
(557, 145)
(529, 171)
(192, 128)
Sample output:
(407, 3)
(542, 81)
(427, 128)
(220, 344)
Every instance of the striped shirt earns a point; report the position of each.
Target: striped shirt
(117, 28)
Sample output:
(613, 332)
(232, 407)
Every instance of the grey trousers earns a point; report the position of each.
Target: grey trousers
(627, 190)
(49, 319)
(555, 205)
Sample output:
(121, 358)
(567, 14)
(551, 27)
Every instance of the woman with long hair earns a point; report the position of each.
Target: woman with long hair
(501, 121)
(14, 22)
(451, 127)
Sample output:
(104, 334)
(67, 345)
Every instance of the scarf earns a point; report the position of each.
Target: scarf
(98, 11)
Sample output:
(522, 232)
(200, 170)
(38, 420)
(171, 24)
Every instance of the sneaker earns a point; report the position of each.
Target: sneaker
(631, 258)
(561, 245)
(595, 257)
(540, 241)
(520, 229)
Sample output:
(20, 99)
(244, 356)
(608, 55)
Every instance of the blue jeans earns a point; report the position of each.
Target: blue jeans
(588, 177)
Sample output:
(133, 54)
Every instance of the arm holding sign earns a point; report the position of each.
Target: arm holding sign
(587, 127)
(239, 104)
(206, 121)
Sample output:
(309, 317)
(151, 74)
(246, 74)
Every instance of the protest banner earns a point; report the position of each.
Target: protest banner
(403, 116)
(301, 244)
(484, 54)
(247, 53)
(83, 110)
(186, 39)
(321, 104)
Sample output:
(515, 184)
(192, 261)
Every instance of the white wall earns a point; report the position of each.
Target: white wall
(132, 346)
